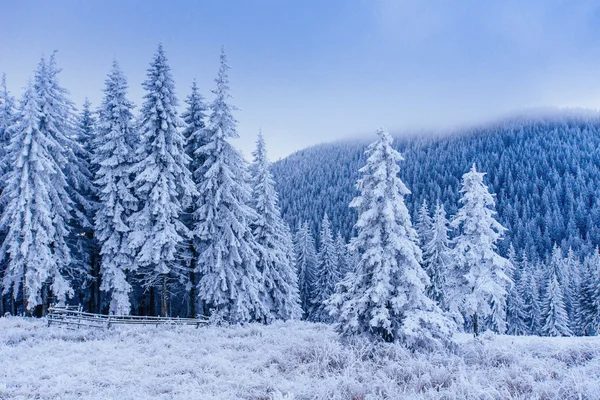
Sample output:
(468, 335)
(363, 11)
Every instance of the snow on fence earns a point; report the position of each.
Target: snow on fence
(72, 317)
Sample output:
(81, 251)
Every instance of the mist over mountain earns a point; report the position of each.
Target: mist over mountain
(543, 167)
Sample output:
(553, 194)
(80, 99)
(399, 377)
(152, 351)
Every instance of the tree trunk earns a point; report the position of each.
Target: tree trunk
(193, 294)
(152, 305)
(475, 326)
(164, 304)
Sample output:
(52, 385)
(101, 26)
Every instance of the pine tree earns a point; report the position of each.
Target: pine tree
(437, 256)
(7, 116)
(58, 120)
(588, 310)
(84, 246)
(280, 293)
(343, 256)
(162, 183)
(515, 307)
(114, 155)
(37, 209)
(306, 265)
(424, 224)
(195, 136)
(194, 133)
(327, 273)
(477, 281)
(556, 320)
(230, 283)
(385, 296)
(527, 287)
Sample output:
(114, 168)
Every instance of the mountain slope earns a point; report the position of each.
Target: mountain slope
(544, 170)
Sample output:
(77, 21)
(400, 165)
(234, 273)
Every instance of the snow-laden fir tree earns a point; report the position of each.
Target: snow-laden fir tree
(279, 289)
(37, 210)
(424, 224)
(58, 120)
(162, 183)
(385, 296)
(114, 154)
(327, 273)
(477, 282)
(555, 318)
(194, 117)
(229, 284)
(437, 256)
(588, 310)
(7, 115)
(84, 246)
(528, 289)
(515, 307)
(344, 258)
(306, 264)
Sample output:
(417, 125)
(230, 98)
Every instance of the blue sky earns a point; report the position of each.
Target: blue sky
(312, 71)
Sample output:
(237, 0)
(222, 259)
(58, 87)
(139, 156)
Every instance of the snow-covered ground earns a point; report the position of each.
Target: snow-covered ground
(294, 360)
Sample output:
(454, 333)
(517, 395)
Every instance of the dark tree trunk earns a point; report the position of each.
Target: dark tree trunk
(475, 325)
(152, 301)
(193, 293)
(164, 298)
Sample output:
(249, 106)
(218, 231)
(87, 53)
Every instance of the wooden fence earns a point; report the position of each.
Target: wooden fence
(73, 317)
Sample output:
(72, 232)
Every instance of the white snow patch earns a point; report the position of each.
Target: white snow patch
(292, 360)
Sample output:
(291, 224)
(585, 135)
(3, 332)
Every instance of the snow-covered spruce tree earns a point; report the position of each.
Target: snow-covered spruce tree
(114, 144)
(279, 289)
(588, 310)
(229, 284)
(58, 120)
(194, 133)
(424, 224)
(7, 115)
(437, 256)
(477, 282)
(162, 183)
(344, 259)
(37, 210)
(385, 296)
(528, 288)
(327, 273)
(556, 320)
(515, 307)
(306, 265)
(84, 246)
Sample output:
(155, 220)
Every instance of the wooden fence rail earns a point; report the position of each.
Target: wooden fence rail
(73, 317)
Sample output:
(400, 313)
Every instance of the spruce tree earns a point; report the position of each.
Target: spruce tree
(588, 310)
(344, 259)
(229, 284)
(37, 210)
(7, 118)
(58, 120)
(515, 307)
(528, 289)
(306, 265)
(194, 133)
(385, 297)
(327, 273)
(478, 282)
(556, 320)
(279, 291)
(437, 256)
(162, 183)
(114, 154)
(84, 246)
(424, 224)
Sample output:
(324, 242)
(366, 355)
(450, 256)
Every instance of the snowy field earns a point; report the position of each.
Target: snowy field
(283, 361)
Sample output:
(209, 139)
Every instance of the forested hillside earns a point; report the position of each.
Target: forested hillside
(544, 170)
